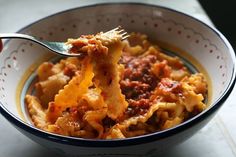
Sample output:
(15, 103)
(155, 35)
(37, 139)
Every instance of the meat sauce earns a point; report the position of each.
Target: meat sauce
(138, 82)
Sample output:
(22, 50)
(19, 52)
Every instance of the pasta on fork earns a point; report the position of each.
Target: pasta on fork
(119, 89)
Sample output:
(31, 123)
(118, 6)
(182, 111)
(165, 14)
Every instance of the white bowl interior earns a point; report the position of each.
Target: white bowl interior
(190, 35)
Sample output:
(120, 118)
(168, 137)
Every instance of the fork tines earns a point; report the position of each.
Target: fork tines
(124, 35)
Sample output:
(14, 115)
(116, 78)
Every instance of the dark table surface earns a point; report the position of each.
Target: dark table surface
(223, 15)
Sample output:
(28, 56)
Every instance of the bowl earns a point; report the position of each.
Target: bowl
(191, 39)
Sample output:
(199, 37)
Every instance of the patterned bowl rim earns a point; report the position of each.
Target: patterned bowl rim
(134, 140)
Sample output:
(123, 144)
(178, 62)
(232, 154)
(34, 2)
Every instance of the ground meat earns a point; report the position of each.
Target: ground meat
(169, 89)
(135, 89)
(139, 68)
(169, 86)
(138, 81)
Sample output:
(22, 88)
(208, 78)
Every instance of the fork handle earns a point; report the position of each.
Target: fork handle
(17, 35)
(20, 36)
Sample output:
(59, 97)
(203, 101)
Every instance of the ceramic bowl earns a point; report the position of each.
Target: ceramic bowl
(208, 49)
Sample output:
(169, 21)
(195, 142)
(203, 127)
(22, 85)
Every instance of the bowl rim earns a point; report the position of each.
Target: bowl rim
(75, 141)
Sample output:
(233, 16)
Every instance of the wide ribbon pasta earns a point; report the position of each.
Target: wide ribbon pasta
(107, 79)
(70, 95)
(119, 89)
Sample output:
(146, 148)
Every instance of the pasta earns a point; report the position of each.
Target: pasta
(119, 89)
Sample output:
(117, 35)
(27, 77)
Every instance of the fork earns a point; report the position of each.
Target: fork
(61, 48)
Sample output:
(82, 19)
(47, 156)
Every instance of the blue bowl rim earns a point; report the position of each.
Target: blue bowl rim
(133, 140)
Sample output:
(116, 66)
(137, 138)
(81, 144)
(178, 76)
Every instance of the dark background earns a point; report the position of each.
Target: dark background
(223, 15)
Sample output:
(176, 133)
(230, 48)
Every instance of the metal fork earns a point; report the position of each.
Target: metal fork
(60, 47)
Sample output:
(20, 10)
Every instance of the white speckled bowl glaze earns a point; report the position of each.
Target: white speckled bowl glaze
(204, 43)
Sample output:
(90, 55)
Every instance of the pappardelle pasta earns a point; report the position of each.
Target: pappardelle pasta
(120, 89)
